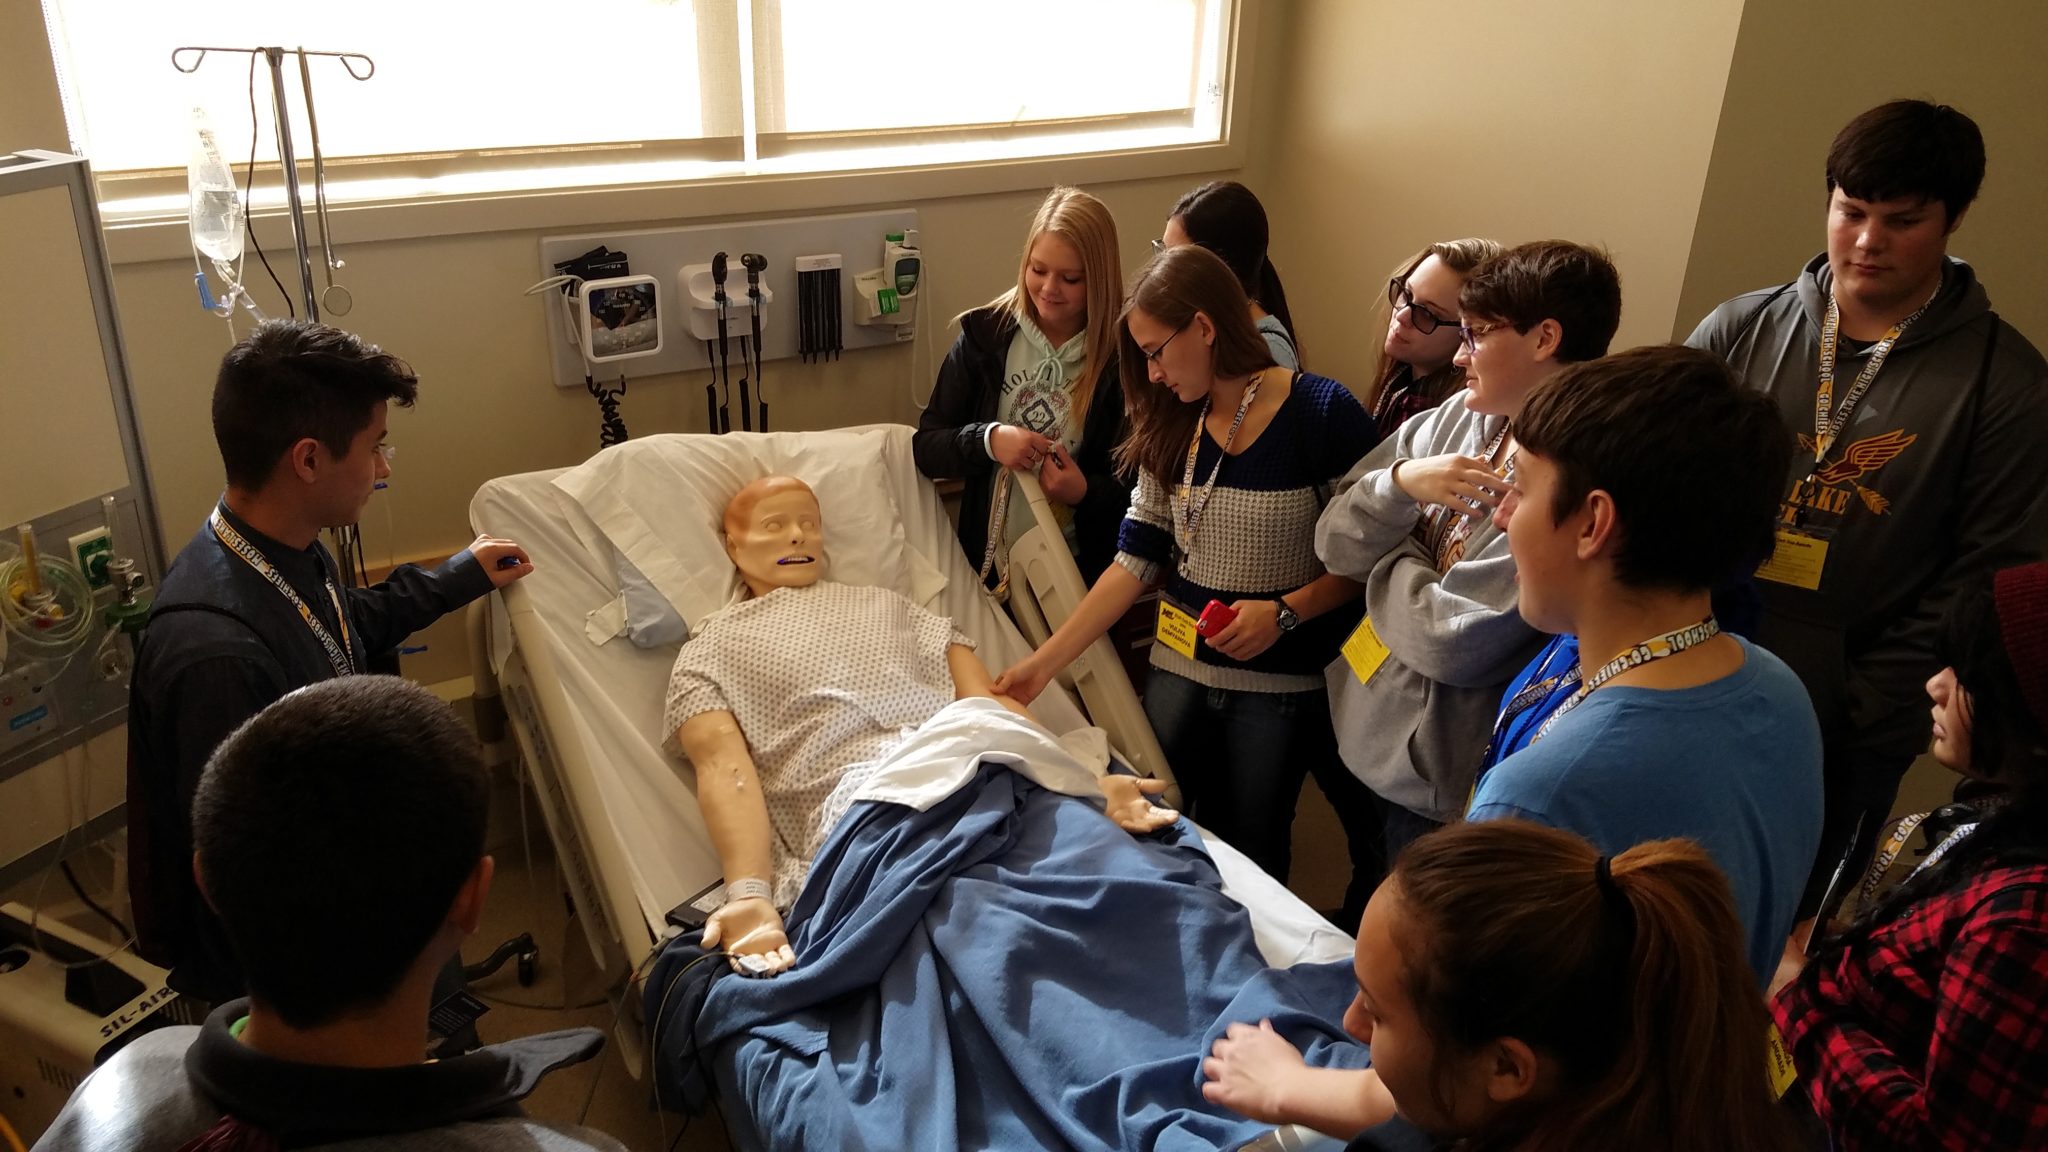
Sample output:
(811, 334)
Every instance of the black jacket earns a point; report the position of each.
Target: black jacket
(221, 646)
(948, 441)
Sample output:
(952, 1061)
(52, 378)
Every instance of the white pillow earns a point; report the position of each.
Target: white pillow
(661, 502)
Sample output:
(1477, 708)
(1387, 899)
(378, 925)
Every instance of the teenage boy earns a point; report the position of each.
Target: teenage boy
(1647, 480)
(1920, 420)
(340, 838)
(254, 607)
(1417, 683)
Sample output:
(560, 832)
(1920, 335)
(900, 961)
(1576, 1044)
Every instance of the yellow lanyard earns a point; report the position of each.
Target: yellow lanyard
(1655, 648)
(1447, 528)
(1828, 422)
(342, 655)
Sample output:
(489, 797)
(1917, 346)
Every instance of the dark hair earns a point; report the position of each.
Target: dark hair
(333, 831)
(1909, 148)
(1227, 219)
(1635, 985)
(2006, 744)
(1171, 287)
(291, 379)
(1695, 462)
(1556, 280)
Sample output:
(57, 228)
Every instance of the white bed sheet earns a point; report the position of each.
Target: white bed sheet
(615, 691)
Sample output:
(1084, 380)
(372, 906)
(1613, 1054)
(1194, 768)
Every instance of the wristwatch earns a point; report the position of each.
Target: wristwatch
(1287, 619)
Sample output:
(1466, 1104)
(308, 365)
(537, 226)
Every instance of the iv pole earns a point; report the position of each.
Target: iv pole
(285, 152)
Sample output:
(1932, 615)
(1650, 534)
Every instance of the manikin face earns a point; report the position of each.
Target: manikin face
(1058, 284)
(1177, 359)
(1886, 254)
(774, 535)
(1432, 288)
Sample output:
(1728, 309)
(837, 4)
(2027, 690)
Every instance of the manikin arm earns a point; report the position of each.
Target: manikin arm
(1124, 796)
(729, 794)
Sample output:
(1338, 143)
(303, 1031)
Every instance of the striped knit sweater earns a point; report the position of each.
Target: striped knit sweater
(1256, 537)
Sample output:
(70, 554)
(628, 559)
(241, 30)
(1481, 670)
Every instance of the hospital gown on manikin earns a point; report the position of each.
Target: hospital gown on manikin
(824, 682)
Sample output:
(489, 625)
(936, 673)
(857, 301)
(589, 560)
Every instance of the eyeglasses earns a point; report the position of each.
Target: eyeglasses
(1471, 334)
(1156, 353)
(1158, 246)
(1419, 315)
(387, 451)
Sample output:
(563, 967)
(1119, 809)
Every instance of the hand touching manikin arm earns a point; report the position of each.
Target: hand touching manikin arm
(1124, 796)
(729, 794)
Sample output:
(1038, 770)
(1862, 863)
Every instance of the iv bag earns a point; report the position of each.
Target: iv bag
(216, 209)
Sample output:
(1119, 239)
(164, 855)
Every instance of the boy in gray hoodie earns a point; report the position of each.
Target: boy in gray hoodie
(1414, 691)
(1921, 420)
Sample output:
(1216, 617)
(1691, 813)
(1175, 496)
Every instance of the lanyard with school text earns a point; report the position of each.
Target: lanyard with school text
(1829, 421)
(1192, 502)
(342, 655)
(1656, 648)
(1448, 526)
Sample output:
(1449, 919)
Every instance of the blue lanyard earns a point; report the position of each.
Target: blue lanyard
(1530, 704)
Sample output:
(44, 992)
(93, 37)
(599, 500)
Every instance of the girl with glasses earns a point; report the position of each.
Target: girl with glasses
(1224, 217)
(1030, 386)
(1234, 457)
(1415, 372)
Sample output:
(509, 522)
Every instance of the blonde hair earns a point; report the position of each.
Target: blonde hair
(1085, 222)
(1460, 256)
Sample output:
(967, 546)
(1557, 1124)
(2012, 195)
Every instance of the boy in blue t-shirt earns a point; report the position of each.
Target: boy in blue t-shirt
(1643, 481)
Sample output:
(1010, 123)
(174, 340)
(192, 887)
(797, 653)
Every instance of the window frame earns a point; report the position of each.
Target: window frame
(452, 193)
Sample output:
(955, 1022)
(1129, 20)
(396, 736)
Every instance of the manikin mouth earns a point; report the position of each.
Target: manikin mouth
(796, 560)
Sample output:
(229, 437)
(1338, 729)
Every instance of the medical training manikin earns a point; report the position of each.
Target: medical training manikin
(785, 701)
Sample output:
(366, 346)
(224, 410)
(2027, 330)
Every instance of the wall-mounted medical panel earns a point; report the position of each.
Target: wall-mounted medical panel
(679, 262)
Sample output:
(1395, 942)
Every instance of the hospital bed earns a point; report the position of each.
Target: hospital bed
(561, 653)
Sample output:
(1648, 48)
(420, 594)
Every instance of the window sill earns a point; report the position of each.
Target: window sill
(143, 231)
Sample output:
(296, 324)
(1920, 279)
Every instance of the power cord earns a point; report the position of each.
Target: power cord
(78, 889)
(249, 184)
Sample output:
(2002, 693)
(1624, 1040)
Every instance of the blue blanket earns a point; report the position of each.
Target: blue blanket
(1006, 970)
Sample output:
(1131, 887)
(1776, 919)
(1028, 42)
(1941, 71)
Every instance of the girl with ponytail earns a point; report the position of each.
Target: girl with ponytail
(1521, 991)
(1224, 217)
(1922, 1025)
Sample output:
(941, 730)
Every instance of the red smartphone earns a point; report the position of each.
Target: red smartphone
(1215, 618)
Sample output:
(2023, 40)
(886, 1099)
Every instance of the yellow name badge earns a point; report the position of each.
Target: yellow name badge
(1784, 1073)
(1176, 629)
(1797, 560)
(1364, 650)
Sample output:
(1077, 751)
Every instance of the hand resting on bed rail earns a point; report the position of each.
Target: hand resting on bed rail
(782, 701)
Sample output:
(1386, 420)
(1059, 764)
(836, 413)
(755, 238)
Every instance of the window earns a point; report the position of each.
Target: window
(494, 95)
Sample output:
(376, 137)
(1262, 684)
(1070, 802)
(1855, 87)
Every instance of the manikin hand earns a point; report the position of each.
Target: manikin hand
(1018, 448)
(1126, 803)
(1454, 481)
(1024, 680)
(1061, 477)
(755, 942)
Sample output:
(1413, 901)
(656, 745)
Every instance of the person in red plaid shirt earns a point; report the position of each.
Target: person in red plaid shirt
(1922, 1025)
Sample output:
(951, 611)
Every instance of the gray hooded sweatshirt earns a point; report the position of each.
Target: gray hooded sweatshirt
(1939, 478)
(1416, 730)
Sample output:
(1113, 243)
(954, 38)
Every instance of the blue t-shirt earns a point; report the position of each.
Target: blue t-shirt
(1733, 765)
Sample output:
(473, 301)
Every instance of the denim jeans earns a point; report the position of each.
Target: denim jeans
(1240, 758)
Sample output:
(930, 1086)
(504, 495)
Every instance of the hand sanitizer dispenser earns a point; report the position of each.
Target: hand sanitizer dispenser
(888, 295)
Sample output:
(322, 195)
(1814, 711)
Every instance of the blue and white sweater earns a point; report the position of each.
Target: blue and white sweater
(1256, 537)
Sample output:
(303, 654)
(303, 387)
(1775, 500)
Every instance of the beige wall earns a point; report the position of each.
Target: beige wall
(1762, 214)
(1400, 124)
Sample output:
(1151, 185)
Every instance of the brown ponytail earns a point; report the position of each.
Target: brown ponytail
(1634, 983)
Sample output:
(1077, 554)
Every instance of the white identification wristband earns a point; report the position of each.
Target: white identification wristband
(748, 888)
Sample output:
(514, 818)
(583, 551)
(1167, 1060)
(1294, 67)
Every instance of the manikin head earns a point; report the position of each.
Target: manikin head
(775, 535)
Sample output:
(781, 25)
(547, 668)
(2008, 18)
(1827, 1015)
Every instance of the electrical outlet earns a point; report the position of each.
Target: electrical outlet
(92, 550)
